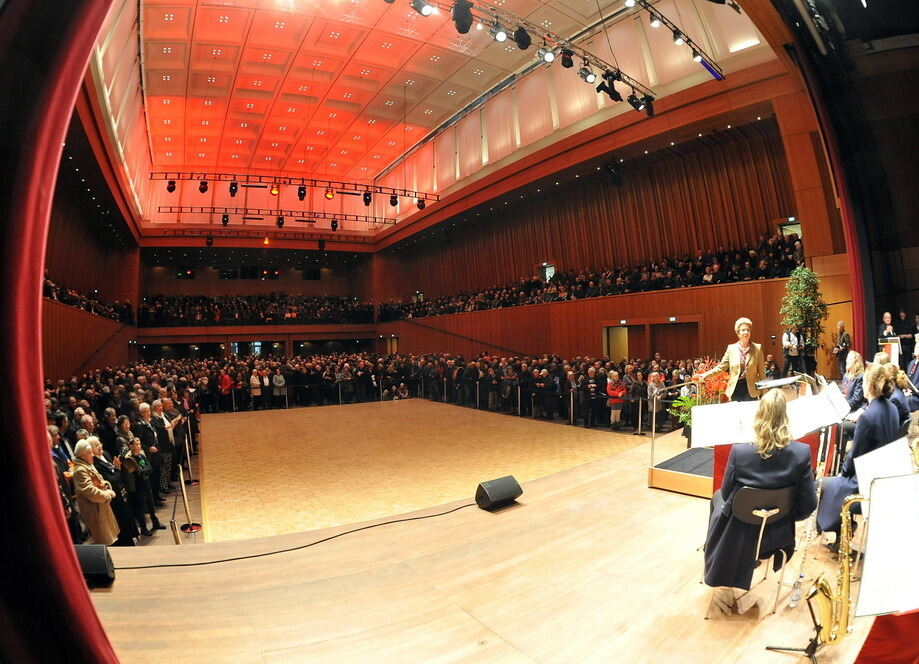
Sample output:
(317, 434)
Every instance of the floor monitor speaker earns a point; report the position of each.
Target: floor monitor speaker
(96, 564)
(497, 493)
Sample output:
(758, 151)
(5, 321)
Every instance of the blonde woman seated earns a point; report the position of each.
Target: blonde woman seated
(773, 461)
(94, 496)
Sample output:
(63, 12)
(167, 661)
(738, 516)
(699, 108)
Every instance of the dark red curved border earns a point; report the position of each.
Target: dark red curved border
(46, 613)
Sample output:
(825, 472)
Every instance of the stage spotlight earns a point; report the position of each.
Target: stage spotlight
(608, 88)
(368, 198)
(587, 74)
(635, 102)
(655, 21)
(275, 190)
(497, 32)
(420, 203)
(329, 193)
(334, 225)
(171, 186)
(266, 241)
(546, 54)
(209, 241)
(394, 200)
(422, 7)
(522, 38)
(301, 192)
(280, 222)
(629, 3)
(678, 38)
(648, 102)
(202, 187)
(225, 219)
(696, 56)
(234, 187)
(462, 16)
(567, 60)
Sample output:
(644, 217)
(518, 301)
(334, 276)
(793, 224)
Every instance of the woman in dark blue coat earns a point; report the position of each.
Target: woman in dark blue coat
(774, 461)
(876, 427)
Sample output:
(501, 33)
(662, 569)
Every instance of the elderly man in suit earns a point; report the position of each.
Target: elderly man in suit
(745, 363)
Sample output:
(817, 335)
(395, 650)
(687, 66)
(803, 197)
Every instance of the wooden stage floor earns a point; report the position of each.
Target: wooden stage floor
(589, 566)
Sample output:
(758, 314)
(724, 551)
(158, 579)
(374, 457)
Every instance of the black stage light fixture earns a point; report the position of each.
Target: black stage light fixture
(280, 222)
(394, 200)
(497, 33)
(301, 192)
(567, 59)
(420, 203)
(648, 101)
(422, 7)
(635, 102)
(234, 187)
(610, 90)
(462, 16)
(678, 38)
(334, 225)
(329, 193)
(171, 186)
(225, 219)
(696, 56)
(522, 38)
(655, 20)
(368, 198)
(202, 187)
(587, 74)
(209, 241)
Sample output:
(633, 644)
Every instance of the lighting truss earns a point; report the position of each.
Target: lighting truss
(296, 215)
(487, 14)
(338, 185)
(707, 61)
(260, 234)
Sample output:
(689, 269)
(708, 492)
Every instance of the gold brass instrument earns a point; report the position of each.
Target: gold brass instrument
(833, 607)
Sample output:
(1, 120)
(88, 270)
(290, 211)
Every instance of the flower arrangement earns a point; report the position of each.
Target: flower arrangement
(706, 391)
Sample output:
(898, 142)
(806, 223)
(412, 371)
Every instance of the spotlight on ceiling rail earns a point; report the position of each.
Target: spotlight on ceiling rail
(678, 38)
(234, 188)
(420, 203)
(522, 38)
(301, 192)
(202, 186)
(280, 222)
(587, 74)
(171, 186)
(225, 219)
(696, 56)
(545, 53)
(648, 101)
(567, 58)
(329, 193)
(368, 198)
(422, 7)
(635, 102)
(334, 225)
(394, 200)
(275, 190)
(209, 241)
(497, 33)
(655, 21)
(462, 16)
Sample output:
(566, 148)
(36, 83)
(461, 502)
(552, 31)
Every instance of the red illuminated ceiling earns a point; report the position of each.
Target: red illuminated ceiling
(315, 86)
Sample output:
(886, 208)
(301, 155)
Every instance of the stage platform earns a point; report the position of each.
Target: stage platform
(589, 566)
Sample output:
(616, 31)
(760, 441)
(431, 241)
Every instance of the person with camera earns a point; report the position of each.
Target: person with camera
(792, 350)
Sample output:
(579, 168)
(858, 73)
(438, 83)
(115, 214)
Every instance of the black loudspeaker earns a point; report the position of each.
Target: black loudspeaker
(497, 493)
(96, 564)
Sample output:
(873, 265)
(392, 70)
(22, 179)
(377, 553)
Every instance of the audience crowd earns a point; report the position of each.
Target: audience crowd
(117, 310)
(275, 308)
(773, 257)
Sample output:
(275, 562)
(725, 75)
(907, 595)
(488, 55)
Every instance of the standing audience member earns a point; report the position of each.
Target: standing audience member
(842, 347)
(94, 496)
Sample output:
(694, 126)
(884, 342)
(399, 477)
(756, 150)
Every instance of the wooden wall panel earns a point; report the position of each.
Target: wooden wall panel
(81, 253)
(724, 189)
(576, 328)
(161, 280)
(74, 341)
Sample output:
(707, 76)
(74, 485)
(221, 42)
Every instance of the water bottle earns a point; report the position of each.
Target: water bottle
(796, 592)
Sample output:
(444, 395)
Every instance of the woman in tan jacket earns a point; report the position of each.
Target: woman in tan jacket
(744, 362)
(94, 496)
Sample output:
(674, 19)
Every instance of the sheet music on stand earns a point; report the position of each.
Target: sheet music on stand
(888, 461)
(889, 580)
(732, 422)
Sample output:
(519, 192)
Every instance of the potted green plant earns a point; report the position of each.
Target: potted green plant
(803, 305)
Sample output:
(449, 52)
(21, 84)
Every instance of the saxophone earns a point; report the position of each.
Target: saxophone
(833, 608)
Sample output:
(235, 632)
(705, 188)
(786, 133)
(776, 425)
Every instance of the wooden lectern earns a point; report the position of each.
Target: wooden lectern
(891, 346)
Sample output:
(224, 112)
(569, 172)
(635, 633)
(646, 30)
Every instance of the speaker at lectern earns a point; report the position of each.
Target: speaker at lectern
(891, 346)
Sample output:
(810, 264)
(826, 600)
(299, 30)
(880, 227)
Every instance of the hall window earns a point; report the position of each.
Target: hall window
(417, 296)
(789, 226)
(546, 271)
